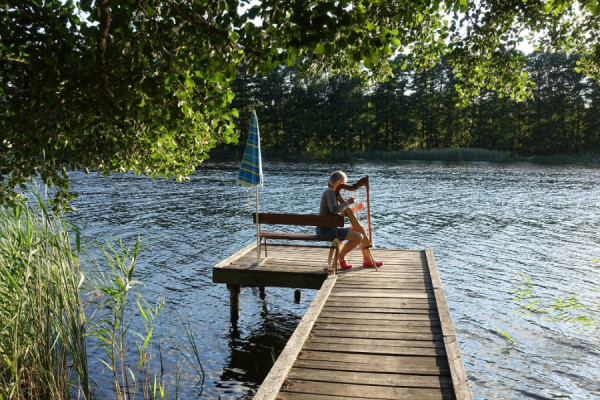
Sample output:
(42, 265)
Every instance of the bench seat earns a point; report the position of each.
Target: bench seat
(291, 236)
(298, 219)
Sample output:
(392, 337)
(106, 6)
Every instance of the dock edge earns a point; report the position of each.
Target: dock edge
(270, 387)
(458, 372)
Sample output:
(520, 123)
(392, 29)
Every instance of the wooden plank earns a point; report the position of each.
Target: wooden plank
(298, 219)
(369, 378)
(379, 309)
(420, 336)
(384, 280)
(406, 294)
(458, 372)
(269, 278)
(272, 383)
(381, 324)
(384, 287)
(306, 396)
(375, 327)
(394, 317)
(375, 348)
(311, 237)
(366, 391)
(367, 302)
(384, 367)
(375, 362)
(236, 256)
(368, 340)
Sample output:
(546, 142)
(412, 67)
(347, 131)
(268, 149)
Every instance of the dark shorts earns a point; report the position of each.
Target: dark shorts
(332, 233)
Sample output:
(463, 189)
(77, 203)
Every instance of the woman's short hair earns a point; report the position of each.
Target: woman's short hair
(336, 176)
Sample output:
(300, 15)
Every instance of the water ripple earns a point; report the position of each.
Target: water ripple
(486, 223)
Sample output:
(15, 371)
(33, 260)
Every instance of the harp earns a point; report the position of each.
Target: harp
(366, 242)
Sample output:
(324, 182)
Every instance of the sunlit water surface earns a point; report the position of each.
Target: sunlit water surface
(487, 223)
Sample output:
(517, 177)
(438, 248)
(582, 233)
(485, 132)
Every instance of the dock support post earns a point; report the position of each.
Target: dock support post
(297, 295)
(262, 293)
(234, 302)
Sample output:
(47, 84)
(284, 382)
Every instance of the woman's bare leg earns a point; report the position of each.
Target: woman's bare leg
(365, 253)
(353, 239)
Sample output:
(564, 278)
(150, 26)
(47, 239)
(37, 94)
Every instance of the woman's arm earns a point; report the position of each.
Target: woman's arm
(332, 203)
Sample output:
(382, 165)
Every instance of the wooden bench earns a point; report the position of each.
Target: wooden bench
(299, 219)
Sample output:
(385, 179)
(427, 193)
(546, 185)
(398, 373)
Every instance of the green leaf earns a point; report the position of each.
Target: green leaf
(230, 96)
(319, 49)
(506, 335)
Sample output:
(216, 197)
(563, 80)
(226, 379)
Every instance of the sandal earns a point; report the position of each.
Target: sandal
(344, 265)
(369, 265)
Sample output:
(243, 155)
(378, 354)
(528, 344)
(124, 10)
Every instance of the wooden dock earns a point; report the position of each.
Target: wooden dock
(368, 334)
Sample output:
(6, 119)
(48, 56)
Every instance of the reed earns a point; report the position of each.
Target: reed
(42, 319)
(53, 308)
(110, 289)
(577, 309)
(446, 154)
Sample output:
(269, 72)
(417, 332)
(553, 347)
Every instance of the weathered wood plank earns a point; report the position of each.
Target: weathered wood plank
(236, 256)
(383, 287)
(388, 367)
(404, 327)
(375, 348)
(376, 362)
(305, 396)
(368, 340)
(370, 302)
(384, 280)
(384, 316)
(376, 322)
(407, 294)
(298, 219)
(367, 391)
(338, 333)
(370, 378)
(379, 310)
(269, 278)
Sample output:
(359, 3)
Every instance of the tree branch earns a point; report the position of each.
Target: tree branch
(198, 22)
(105, 17)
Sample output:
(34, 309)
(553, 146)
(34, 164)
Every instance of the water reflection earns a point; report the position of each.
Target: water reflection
(254, 351)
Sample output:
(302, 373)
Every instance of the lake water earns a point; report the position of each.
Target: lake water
(487, 223)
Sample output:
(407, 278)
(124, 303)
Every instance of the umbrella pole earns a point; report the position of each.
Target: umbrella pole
(257, 231)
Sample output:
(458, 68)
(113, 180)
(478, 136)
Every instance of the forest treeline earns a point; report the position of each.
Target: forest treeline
(333, 115)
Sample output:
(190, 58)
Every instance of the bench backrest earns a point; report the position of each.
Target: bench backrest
(299, 219)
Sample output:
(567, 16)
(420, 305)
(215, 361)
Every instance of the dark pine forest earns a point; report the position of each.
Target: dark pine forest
(339, 115)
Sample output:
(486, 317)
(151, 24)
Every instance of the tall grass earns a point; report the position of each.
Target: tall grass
(110, 288)
(52, 309)
(42, 319)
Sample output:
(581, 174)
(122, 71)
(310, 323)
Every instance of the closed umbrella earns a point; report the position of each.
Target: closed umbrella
(250, 173)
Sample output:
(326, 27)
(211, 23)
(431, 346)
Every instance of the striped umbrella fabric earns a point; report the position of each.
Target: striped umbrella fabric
(250, 173)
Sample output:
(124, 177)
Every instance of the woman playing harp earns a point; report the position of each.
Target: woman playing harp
(330, 206)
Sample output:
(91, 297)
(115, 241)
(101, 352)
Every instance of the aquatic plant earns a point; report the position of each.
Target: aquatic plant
(111, 285)
(54, 308)
(570, 310)
(42, 319)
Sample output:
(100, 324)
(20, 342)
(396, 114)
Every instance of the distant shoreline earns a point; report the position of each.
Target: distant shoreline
(449, 154)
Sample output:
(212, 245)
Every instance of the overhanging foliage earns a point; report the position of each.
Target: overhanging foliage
(143, 86)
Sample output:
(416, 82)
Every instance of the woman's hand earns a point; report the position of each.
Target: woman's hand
(358, 207)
